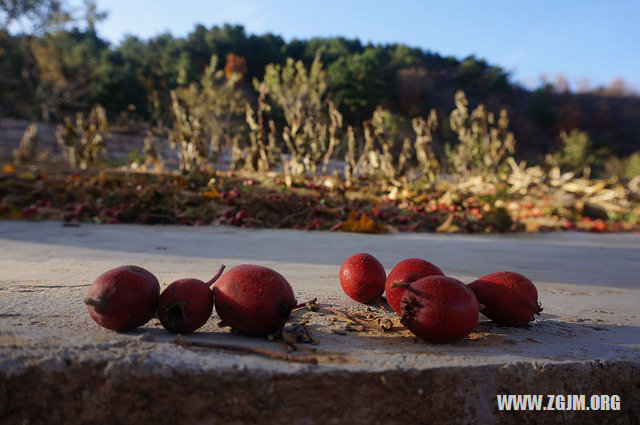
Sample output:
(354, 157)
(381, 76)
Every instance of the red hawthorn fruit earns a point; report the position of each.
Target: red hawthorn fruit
(439, 309)
(509, 298)
(186, 304)
(253, 300)
(362, 278)
(407, 271)
(598, 225)
(123, 298)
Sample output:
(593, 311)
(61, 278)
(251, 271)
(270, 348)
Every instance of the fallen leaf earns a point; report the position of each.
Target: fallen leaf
(448, 226)
(211, 193)
(364, 224)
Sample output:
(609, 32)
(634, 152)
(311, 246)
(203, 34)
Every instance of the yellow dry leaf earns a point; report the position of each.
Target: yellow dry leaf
(211, 193)
(448, 226)
(423, 197)
(8, 168)
(531, 226)
(364, 224)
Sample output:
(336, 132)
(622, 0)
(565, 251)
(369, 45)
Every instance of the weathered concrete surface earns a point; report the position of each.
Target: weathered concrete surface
(57, 366)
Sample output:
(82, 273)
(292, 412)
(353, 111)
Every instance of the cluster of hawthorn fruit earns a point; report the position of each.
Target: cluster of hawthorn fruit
(251, 299)
(439, 308)
(255, 300)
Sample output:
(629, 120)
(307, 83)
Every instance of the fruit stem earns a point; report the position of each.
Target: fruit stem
(400, 285)
(216, 277)
(98, 303)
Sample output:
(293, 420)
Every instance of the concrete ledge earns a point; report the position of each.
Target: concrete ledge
(57, 366)
(125, 394)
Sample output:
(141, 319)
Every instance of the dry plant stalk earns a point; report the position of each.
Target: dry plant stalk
(381, 137)
(262, 152)
(300, 93)
(350, 170)
(156, 137)
(28, 148)
(152, 149)
(428, 165)
(84, 139)
(336, 124)
(567, 190)
(208, 117)
(483, 142)
(188, 137)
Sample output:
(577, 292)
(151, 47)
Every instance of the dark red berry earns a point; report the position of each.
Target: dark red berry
(253, 300)
(186, 304)
(123, 298)
(509, 298)
(407, 271)
(362, 278)
(439, 309)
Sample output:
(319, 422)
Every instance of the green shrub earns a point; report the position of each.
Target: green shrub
(576, 152)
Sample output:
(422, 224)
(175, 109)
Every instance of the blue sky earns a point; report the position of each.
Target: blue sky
(594, 40)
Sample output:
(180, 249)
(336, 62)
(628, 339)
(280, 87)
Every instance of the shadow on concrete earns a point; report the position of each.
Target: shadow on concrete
(547, 339)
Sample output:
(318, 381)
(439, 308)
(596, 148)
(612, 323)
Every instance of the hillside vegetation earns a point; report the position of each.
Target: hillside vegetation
(49, 76)
(250, 130)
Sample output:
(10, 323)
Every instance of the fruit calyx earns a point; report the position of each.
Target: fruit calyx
(538, 308)
(401, 285)
(176, 315)
(409, 310)
(97, 303)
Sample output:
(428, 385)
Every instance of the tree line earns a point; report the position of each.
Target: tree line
(50, 74)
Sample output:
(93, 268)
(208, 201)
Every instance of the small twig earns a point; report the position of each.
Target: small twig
(309, 304)
(181, 341)
(367, 324)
